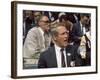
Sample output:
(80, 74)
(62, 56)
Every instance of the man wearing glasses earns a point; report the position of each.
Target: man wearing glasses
(38, 40)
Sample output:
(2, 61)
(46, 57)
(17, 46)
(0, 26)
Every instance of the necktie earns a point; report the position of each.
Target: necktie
(62, 58)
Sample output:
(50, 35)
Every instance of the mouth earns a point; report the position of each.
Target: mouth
(65, 43)
(65, 40)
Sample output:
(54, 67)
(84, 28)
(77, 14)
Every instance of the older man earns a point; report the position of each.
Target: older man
(61, 54)
(36, 42)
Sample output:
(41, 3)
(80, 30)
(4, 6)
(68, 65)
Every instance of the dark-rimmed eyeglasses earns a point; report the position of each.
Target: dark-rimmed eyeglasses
(45, 21)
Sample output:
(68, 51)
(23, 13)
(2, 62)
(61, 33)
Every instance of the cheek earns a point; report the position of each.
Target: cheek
(67, 36)
(46, 28)
(43, 24)
(60, 39)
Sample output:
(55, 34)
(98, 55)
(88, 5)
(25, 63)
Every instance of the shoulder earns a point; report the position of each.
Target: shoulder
(33, 30)
(48, 52)
(32, 33)
(71, 48)
(77, 24)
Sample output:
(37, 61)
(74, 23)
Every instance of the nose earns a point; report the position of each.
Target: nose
(66, 34)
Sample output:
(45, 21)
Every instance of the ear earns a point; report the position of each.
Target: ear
(54, 38)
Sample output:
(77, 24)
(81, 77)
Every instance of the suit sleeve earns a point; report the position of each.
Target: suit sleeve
(30, 44)
(74, 34)
(42, 62)
(77, 58)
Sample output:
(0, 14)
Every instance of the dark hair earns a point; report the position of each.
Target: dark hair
(67, 17)
(85, 14)
(63, 17)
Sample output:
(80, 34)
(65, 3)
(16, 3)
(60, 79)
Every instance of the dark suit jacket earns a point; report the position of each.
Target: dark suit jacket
(76, 31)
(48, 58)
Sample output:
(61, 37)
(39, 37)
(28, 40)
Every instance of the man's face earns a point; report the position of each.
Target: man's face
(62, 37)
(44, 23)
(85, 20)
(37, 15)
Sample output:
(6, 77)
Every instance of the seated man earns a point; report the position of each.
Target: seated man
(61, 54)
(38, 39)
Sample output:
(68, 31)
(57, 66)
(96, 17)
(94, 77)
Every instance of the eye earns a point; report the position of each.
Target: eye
(45, 21)
(64, 33)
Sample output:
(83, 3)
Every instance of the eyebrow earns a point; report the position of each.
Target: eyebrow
(64, 32)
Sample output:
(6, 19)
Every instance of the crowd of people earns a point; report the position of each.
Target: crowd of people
(56, 39)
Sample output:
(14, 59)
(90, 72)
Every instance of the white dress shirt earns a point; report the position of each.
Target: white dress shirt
(58, 56)
(83, 29)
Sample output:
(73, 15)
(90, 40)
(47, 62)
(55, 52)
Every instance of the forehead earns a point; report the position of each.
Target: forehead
(44, 18)
(36, 13)
(85, 17)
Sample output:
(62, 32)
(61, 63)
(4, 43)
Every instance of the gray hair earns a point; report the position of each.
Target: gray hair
(54, 29)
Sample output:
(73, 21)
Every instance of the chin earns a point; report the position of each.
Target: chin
(64, 46)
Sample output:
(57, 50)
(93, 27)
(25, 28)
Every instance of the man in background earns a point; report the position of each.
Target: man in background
(79, 29)
(38, 40)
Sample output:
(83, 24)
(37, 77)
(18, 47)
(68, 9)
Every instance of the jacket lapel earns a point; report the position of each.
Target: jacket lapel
(68, 56)
(41, 42)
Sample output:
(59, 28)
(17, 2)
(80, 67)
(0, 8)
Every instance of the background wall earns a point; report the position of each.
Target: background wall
(5, 40)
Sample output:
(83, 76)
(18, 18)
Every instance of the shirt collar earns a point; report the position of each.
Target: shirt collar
(80, 23)
(57, 47)
(40, 29)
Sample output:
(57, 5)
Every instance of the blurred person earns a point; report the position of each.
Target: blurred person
(70, 17)
(79, 29)
(36, 15)
(85, 47)
(38, 40)
(76, 16)
(30, 21)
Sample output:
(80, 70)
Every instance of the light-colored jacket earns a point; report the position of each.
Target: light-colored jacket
(34, 43)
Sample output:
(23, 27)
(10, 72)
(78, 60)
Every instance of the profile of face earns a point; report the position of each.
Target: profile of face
(62, 37)
(85, 20)
(37, 15)
(44, 23)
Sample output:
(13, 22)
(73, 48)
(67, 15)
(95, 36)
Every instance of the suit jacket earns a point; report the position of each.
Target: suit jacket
(48, 57)
(76, 31)
(34, 43)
